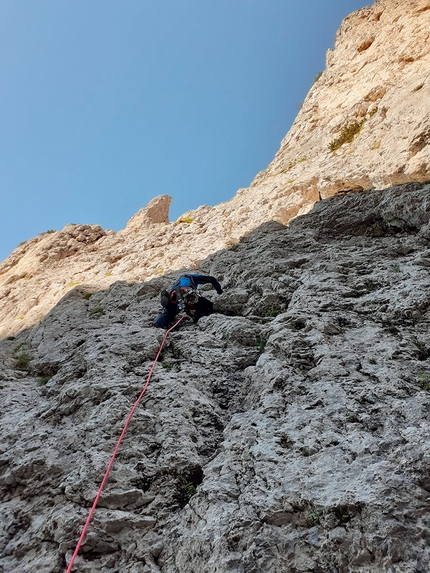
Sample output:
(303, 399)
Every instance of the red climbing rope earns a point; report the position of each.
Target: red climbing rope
(81, 539)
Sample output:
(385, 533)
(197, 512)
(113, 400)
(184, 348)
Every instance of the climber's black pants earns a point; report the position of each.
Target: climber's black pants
(204, 307)
(167, 317)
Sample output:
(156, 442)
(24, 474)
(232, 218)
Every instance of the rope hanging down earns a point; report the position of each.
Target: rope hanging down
(81, 539)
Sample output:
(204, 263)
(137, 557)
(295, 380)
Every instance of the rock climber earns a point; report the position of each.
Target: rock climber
(183, 297)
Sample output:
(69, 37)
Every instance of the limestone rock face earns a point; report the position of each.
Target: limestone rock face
(157, 211)
(364, 124)
(287, 432)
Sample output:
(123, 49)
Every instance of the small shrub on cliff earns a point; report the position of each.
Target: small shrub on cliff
(97, 311)
(314, 517)
(187, 486)
(261, 345)
(184, 220)
(424, 381)
(189, 490)
(347, 134)
(271, 313)
(22, 362)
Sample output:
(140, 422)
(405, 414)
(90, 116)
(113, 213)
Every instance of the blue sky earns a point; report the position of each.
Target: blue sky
(106, 104)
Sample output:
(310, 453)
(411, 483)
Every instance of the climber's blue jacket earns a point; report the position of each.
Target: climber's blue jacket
(193, 281)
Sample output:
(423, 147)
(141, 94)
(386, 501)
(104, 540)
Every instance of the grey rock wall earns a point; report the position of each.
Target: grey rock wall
(288, 432)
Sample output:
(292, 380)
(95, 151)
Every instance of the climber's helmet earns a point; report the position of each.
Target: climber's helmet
(190, 296)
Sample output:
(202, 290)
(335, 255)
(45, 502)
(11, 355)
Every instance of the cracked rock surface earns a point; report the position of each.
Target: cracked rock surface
(288, 432)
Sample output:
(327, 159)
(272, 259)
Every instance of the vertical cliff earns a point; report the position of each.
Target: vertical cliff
(287, 432)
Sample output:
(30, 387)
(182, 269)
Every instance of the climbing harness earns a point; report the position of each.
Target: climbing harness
(84, 530)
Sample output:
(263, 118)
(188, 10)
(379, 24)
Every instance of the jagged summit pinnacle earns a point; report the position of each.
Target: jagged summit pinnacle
(156, 212)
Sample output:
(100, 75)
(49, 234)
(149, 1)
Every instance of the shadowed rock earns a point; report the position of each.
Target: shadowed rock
(286, 432)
